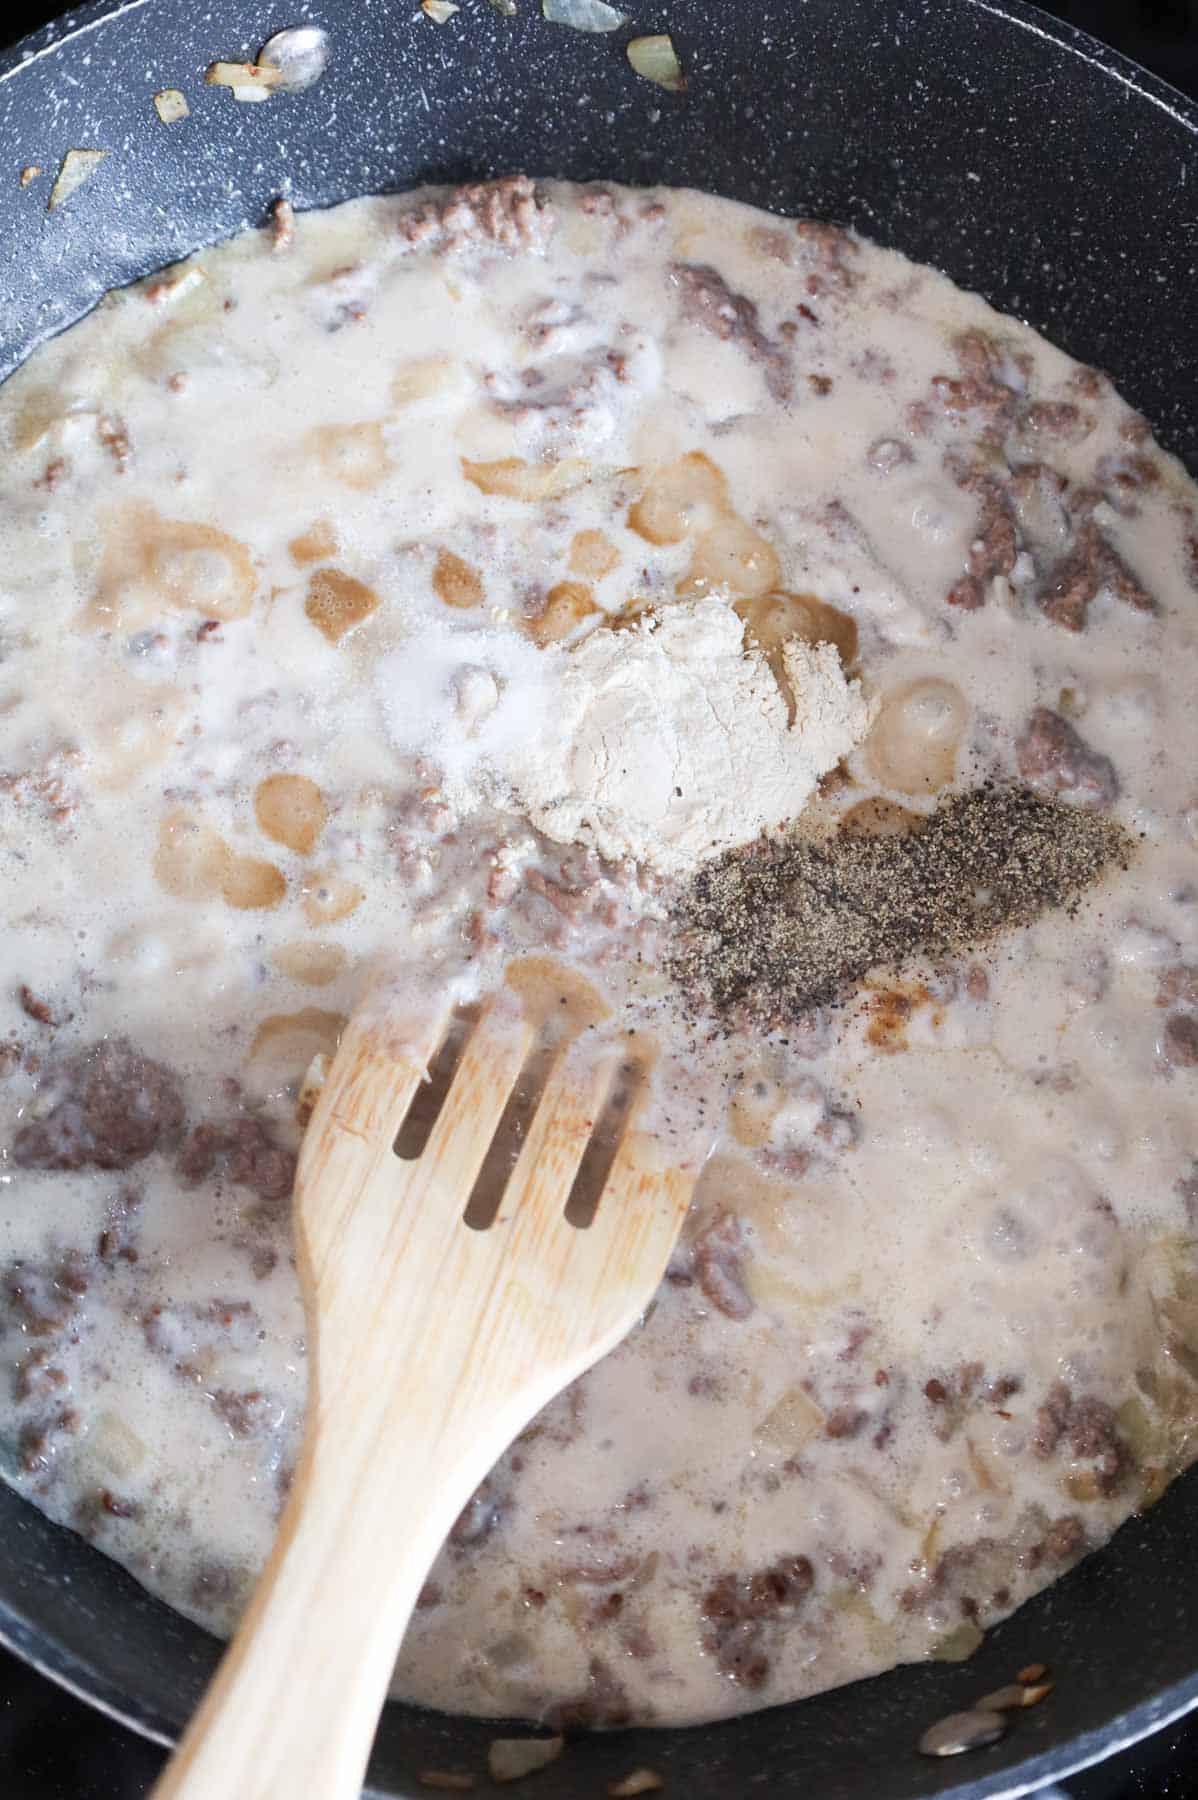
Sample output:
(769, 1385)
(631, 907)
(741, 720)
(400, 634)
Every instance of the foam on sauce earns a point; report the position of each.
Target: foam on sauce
(283, 542)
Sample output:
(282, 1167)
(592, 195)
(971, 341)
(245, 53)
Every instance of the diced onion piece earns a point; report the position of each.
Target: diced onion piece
(527, 481)
(793, 1421)
(116, 1446)
(656, 59)
(641, 1781)
(506, 7)
(439, 11)
(171, 104)
(583, 15)
(77, 167)
(959, 1645)
(510, 1758)
(244, 80)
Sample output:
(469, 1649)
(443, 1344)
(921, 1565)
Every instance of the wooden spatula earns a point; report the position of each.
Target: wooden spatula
(431, 1345)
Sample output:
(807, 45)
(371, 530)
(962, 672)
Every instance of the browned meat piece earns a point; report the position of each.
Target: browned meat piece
(120, 1228)
(216, 1583)
(711, 303)
(40, 1298)
(37, 1377)
(249, 1414)
(282, 225)
(53, 473)
(1178, 986)
(979, 399)
(113, 1108)
(1052, 1416)
(1056, 418)
(1063, 1540)
(994, 403)
(570, 902)
(1124, 475)
(507, 212)
(1055, 760)
(831, 249)
(718, 1261)
(954, 1393)
(1065, 1537)
(1081, 575)
(1088, 1429)
(37, 1444)
(973, 1574)
(737, 1608)
(39, 1010)
(114, 436)
(978, 355)
(846, 1422)
(244, 1152)
(48, 789)
(992, 552)
(1181, 1040)
(100, 1505)
(1186, 1189)
(1093, 1437)
(1089, 382)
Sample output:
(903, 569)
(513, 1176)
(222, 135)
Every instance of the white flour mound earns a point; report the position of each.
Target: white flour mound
(671, 740)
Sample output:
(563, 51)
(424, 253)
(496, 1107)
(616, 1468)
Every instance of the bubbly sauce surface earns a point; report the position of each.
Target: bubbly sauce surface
(294, 539)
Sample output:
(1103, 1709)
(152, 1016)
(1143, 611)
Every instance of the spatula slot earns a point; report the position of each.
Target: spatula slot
(429, 1097)
(491, 1182)
(604, 1145)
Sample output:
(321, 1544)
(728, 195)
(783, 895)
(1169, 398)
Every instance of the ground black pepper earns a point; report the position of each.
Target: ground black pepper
(791, 924)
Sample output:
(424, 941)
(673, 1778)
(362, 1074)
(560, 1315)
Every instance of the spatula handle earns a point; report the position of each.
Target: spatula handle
(292, 1710)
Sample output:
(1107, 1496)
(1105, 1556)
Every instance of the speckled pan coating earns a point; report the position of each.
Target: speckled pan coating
(1017, 156)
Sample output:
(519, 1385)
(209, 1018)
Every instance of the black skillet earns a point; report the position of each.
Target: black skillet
(1016, 154)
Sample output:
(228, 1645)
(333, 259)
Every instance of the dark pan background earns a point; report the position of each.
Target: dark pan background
(54, 1748)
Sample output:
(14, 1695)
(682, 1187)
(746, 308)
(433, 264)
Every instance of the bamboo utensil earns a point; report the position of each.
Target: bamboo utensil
(432, 1344)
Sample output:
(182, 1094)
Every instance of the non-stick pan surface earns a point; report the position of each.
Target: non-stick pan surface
(1020, 157)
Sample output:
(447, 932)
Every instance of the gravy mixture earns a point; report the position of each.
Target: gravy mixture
(297, 541)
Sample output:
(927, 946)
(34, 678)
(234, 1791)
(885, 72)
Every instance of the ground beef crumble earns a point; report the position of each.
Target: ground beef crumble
(242, 1151)
(740, 1611)
(41, 1298)
(994, 551)
(1087, 1429)
(1055, 761)
(508, 213)
(111, 1108)
(711, 303)
(1081, 575)
(718, 1255)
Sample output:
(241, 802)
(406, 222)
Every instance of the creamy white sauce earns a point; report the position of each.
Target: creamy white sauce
(288, 539)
